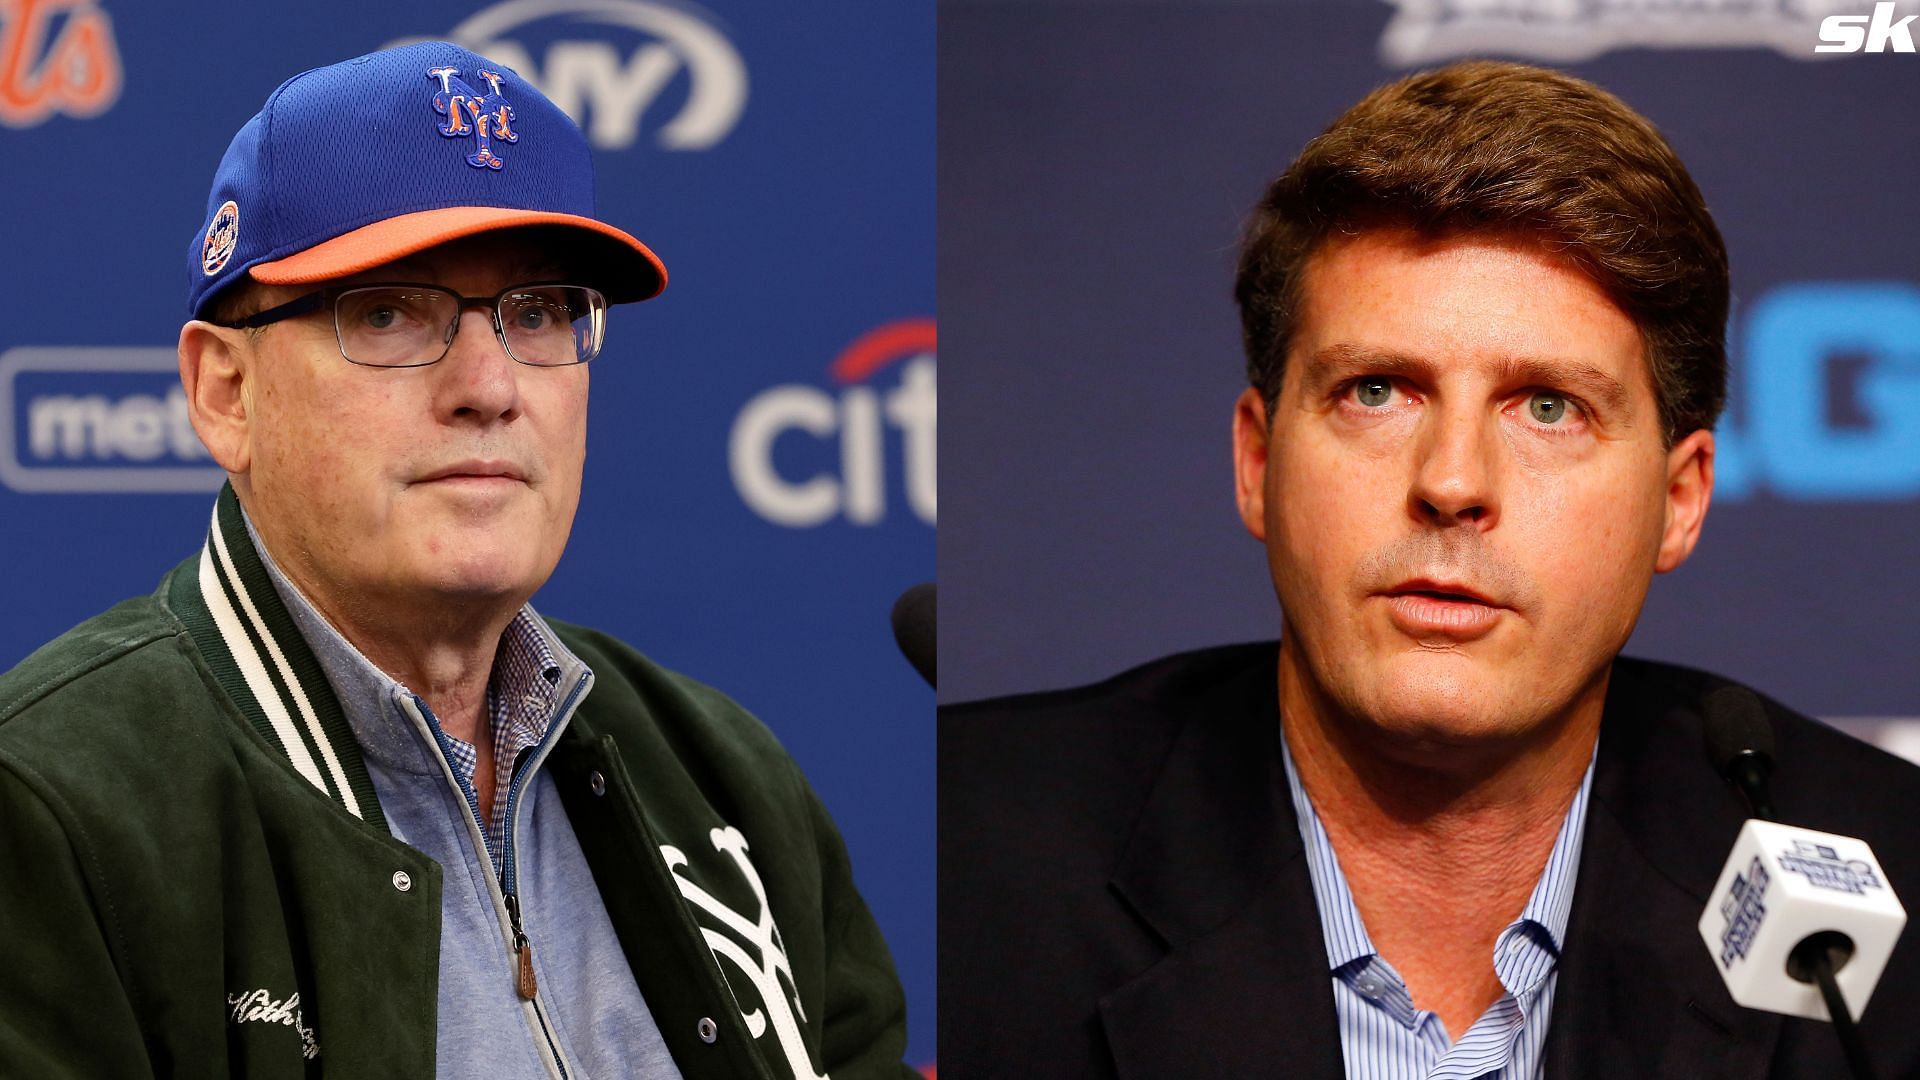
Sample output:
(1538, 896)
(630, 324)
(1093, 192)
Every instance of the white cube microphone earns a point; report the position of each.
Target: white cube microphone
(1783, 886)
(1801, 922)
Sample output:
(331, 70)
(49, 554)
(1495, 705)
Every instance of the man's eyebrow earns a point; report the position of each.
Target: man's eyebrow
(1578, 376)
(1338, 361)
(1574, 376)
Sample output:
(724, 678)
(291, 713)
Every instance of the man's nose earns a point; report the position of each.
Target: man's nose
(1456, 469)
(477, 377)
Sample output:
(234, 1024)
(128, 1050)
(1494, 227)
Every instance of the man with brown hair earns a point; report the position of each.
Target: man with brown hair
(1441, 829)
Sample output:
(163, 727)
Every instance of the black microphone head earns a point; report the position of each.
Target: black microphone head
(914, 628)
(1736, 727)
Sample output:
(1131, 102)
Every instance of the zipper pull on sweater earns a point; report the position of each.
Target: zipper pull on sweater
(527, 985)
(523, 981)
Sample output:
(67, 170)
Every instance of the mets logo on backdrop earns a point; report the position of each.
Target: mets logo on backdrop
(486, 117)
(98, 419)
(618, 67)
(782, 447)
(75, 71)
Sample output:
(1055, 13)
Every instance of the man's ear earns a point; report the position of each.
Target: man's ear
(214, 372)
(1250, 440)
(1689, 491)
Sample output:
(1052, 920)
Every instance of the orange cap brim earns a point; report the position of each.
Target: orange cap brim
(629, 270)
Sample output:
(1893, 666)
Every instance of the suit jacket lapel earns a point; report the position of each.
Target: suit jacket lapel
(1637, 993)
(1214, 869)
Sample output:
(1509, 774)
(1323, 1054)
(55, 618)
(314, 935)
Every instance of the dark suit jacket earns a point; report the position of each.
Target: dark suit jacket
(1123, 892)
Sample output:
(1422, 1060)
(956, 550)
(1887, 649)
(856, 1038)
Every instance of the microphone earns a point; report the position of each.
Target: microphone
(914, 627)
(1741, 744)
(1800, 922)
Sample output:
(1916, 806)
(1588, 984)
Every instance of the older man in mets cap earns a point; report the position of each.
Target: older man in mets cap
(334, 800)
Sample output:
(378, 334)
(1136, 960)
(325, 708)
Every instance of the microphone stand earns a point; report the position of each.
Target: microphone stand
(1815, 960)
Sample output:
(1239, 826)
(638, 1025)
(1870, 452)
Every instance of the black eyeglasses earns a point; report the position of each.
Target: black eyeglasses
(396, 325)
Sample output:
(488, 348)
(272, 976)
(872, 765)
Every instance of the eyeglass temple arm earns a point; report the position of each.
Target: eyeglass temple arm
(298, 306)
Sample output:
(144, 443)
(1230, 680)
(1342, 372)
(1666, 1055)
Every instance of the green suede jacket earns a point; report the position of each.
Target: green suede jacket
(196, 881)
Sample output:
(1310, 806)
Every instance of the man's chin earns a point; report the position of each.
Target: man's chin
(475, 575)
(1445, 704)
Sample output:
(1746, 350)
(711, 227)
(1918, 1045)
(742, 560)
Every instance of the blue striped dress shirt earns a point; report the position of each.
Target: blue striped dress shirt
(1382, 1035)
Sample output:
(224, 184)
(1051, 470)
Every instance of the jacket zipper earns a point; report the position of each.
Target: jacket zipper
(524, 980)
(506, 900)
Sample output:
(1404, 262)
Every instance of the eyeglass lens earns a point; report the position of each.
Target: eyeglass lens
(401, 326)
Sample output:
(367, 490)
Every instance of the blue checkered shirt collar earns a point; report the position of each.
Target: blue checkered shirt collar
(523, 694)
(532, 669)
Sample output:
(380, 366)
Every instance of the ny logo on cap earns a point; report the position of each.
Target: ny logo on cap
(485, 116)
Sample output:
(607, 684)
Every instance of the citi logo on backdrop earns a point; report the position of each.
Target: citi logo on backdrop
(837, 444)
(617, 67)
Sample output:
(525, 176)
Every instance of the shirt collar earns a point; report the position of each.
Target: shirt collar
(529, 664)
(1340, 923)
(1552, 898)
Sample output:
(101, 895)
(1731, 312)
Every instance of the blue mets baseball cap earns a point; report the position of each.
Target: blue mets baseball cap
(371, 159)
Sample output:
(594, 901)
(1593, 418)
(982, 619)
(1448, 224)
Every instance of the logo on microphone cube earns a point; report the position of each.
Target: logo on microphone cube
(1824, 867)
(1780, 886)
(1743, 911)
(781, 450)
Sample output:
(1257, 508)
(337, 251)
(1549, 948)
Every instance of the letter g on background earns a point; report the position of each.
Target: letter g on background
(1792, 333)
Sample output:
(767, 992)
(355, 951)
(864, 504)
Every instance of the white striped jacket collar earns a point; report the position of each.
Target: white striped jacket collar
(260, 659)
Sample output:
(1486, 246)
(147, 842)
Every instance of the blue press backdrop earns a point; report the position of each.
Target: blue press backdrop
(1096, 162)
(750, 511)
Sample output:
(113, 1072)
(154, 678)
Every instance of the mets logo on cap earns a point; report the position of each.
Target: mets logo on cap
(487, 117)
(222, 235)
